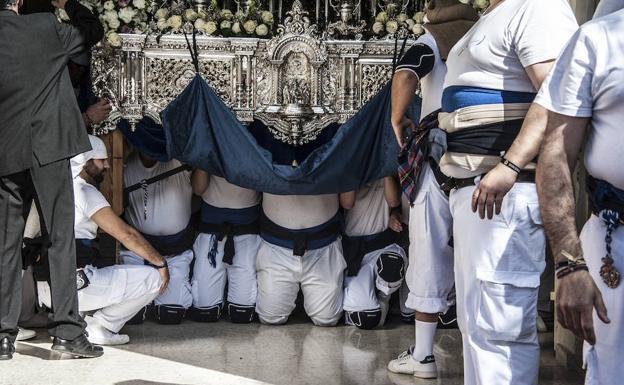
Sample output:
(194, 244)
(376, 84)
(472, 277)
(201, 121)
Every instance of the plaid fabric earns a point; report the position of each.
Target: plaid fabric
(413, 154)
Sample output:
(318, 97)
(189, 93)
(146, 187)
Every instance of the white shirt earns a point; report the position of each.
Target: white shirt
(588, 81)
(88, 200)
(223, 194)
(370, 213)
(431, 85)
(168, 200)
(296, 212)
(514, 35)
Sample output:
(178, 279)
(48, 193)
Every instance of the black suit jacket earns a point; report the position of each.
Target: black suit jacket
(39, 114)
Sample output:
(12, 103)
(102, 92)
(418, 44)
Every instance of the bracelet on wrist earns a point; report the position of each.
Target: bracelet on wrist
(571, 269)
(164, 265)
(510, 164)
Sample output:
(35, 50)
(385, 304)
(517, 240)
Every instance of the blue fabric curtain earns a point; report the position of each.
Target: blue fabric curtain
(202, 131)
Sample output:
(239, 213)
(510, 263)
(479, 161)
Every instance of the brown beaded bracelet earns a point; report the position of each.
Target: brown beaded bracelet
(571, 269)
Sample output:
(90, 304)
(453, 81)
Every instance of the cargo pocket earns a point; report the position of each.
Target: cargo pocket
(507, 312)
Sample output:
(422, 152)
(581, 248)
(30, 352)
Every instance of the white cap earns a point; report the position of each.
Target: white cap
(98, 151)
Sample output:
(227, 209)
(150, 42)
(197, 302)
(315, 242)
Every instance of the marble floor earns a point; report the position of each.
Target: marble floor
(223, 354)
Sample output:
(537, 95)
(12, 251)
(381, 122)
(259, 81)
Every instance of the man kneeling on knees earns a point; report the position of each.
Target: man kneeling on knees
(375, 262)
(111, 294)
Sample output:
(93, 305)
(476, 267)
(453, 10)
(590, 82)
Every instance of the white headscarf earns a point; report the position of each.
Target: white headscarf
(606, 7)
(98, 151)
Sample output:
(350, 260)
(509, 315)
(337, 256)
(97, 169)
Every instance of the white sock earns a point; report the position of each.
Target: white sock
(425, 333)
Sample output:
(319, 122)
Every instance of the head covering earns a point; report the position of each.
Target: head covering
(606, 7)
(448, 21)
(98, 151)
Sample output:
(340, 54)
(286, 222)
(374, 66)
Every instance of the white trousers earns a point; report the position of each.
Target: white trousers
(430, 271)
(498, 264)
(116, 293)
(208, 282)
(319, 273)
(609, 337)
(179, 289)
(367, 290)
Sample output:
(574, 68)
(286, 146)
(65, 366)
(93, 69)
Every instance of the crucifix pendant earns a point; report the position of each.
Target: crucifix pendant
(610, 275)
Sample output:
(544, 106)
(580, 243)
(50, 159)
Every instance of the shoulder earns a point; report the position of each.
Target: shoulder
(87, 195)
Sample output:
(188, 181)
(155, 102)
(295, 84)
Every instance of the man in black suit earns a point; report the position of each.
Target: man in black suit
(40, 129)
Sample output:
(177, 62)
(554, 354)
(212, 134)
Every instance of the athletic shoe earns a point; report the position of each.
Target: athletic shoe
(406, 364)
(25, 334)
(99, 335)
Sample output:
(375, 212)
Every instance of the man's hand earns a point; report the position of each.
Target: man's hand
(164, 276)
(577, 296)
(489, 193)
(60, 4)
(399, 128)
(394, 222)
(99, 111)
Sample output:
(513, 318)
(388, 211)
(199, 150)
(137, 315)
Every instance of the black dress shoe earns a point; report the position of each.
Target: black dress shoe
(6, 349)
(78, 347)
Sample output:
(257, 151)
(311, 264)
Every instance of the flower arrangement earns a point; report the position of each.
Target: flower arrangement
(149, 16)
(388, 22)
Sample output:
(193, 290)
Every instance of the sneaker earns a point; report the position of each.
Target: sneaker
(99, 335)
(25, 334)
(406, 364)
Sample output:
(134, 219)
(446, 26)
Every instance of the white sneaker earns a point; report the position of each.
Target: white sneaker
(406, 364)
(25, 334)
(99, 335)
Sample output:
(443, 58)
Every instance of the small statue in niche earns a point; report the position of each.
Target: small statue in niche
(296, 88)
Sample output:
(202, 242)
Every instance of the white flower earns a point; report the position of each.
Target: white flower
(381, 17)
(162, 14)
(114, 23)
(240, 16)
(392, 26)
(110, 15)
(262, 30)
(481, 4)
(210, 27)
(250, 26)
(236, 27)
(175, 22)
(226, 24)
(63, 15)
(109, 5)
(378, 28)
(126, 14)
(139, 4)
(113, 39)
(410, 24)
(266, 17)
(418, 29)
(419, 17)
(402, 17)
(162, 24)
(190, 15)
(200, 24)
(227, 14)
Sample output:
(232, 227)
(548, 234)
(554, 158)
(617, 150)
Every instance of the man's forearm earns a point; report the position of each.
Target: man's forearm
(135, 242)
(526, 146)
(556, 197)
(404, 86)
(83, 19)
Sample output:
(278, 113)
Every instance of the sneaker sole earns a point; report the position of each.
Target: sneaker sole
(108, 343)
(63, 350)
(425, 375)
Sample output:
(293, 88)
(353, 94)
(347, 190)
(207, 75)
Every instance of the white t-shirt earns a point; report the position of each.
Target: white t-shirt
(514, 35)
(430, 84)
(371, 212)
(588, 81)
(223, 194)
(88, 200)
(168, 200)
(298, 212)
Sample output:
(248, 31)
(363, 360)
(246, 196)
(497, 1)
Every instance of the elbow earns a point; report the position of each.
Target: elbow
(394, 203)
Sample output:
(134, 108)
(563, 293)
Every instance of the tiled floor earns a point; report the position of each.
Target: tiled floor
(224, 353)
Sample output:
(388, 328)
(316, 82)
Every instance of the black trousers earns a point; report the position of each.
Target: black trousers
(51, 187)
